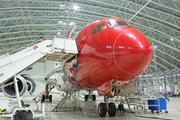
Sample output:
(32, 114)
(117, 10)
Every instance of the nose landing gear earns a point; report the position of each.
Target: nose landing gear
(106, 107)
(93, 97)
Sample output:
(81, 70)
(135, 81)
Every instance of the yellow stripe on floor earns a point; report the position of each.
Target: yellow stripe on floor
(113, 118)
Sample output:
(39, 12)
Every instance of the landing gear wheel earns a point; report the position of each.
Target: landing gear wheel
(21, 116)
(50, 98)
(112, 109)
(102, 110)
(152, 111)
(94, 97)
(86, 97)
(43, 98)
(166, 111)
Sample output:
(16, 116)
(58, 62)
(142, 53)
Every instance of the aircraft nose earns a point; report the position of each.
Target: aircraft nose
(132, 52)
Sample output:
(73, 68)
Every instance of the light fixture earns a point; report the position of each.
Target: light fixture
(58, 33)
(172, 39)
(62, 5)
(76, 7)
(155, 47)
(60, 22)
(71, 23)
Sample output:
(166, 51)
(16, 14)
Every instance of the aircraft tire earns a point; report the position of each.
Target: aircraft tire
(43, 98)
(86, 97)
(112, 109)
(102, 110)
(94, 97)
(50, 98)
(21, 116)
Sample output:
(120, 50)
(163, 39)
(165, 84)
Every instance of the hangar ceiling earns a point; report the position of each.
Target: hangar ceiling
(26, 21)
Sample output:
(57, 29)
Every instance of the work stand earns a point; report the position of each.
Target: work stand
(61, 103)
(90, 107)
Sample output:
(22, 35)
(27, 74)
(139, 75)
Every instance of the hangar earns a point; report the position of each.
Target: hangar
(25, 23)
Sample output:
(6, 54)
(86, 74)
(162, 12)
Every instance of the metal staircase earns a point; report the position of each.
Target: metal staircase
(57, 49)
(90, 107)
(61, 103)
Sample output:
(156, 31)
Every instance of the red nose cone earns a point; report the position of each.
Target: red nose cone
(132, 52)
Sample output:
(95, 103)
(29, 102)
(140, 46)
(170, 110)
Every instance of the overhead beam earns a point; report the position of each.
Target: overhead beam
(139, 10)
(163, 44)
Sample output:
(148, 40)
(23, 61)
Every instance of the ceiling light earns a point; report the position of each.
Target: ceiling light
(62, 5)
(60, 22)
(172, 39)
(76, 7)
(58, 33)
(71, 23)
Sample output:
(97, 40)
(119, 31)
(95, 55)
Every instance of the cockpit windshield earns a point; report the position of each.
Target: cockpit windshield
(99, 28)
(113, 23)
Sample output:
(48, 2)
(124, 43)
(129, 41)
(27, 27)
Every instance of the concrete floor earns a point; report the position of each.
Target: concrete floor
(70, 114)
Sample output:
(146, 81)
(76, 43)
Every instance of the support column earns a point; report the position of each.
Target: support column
(176, 81)
(173, 81)
(17, 92)
(165, 84)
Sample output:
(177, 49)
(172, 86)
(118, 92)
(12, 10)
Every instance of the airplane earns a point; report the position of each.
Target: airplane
(109, 49)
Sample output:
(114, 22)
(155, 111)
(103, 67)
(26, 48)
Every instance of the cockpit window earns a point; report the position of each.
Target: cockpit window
(99, 28)
(113, 23)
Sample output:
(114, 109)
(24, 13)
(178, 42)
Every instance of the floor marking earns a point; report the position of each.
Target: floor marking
(65, 107)
(49, 106)
(113, 118)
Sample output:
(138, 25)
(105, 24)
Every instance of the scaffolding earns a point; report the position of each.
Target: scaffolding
(148, 94)
(90, 107)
